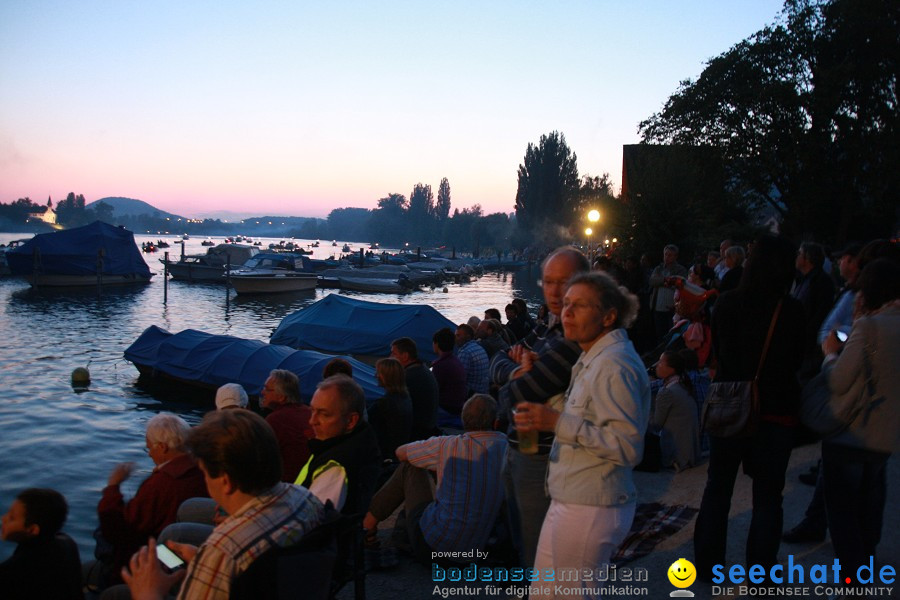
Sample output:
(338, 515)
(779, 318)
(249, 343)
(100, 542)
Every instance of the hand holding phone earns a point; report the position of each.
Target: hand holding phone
(171, 562)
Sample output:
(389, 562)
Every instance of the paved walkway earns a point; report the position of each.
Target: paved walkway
(411, 581)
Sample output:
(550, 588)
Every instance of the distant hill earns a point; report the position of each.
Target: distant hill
(129, 207)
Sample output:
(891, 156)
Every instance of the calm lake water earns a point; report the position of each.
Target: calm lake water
(54, 436)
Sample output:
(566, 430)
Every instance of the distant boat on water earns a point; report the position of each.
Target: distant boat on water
(90, 255)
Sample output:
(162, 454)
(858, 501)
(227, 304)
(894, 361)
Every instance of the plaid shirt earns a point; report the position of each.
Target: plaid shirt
(475, 360)
(469, 490)
(278, 517)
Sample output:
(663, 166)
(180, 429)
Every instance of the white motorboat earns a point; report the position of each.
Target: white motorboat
(271, 273)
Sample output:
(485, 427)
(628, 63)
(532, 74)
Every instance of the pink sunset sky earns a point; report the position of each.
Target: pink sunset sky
(299, 108)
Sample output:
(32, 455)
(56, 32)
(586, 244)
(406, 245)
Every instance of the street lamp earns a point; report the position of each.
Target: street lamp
(587, 232)
(593, 217)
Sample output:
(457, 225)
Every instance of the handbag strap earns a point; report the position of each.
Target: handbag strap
(765, 351)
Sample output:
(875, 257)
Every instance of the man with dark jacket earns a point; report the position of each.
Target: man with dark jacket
(345, 461)
(815, 291)
(127, 525)
(422, 387)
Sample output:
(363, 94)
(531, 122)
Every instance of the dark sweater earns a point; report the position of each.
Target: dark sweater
(739, 325)
(43, 567)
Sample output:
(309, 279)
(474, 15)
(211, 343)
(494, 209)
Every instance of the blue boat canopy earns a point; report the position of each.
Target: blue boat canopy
(75, 252)
(340, 325)
(214, 360)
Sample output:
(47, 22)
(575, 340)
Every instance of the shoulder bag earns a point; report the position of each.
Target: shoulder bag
(731, 408)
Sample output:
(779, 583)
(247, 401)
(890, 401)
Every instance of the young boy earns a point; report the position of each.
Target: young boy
(45, 564)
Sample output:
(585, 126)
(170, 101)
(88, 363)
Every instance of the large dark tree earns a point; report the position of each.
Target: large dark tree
(348, 224)
(421, 213)
(387, 225)
(547, 198)
(805, 111)
(442, 209)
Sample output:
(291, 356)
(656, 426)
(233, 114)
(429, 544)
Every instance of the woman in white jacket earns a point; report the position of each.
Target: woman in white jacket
(863, 373)
(599, 433)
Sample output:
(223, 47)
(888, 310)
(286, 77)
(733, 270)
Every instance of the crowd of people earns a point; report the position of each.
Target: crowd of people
(532, 426)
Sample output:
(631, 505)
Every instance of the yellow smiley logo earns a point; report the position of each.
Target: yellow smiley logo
(682, 573)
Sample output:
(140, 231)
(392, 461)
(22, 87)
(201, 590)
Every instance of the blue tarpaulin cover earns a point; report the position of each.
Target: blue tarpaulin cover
(74, 252)
(219, 359)
(342, 325)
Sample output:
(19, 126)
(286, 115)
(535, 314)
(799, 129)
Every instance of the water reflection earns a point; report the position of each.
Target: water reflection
(52, 435)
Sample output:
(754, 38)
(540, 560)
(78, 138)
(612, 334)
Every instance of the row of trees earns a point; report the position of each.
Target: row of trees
(420, 220)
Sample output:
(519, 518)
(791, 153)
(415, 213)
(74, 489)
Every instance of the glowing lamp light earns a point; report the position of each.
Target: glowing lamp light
(594, 216)
(588, 231)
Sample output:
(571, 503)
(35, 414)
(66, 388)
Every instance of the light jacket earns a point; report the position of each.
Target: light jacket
(877, 426)
(600, 434)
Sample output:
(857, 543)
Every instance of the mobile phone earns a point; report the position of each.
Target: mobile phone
(171, 562)
(841, 335)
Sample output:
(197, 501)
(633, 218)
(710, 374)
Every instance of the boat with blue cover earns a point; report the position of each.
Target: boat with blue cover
(207, 360)
(95, 254)
(340, 325)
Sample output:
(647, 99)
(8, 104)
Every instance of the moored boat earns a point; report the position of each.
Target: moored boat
(212, 265)
(95, 254)
(209, 361)
(337, 324)
(270, 273)
(397, 285)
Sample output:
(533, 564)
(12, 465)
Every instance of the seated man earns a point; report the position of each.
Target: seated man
(45, 563)
(289, 419)
(239, 457)
(474, 359)
(460, 514)
(344, 453)
(127, 525)
(488, 335)
(451, 378)
(421, 385)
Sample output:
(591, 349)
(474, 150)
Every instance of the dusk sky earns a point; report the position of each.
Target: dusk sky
(297, 108)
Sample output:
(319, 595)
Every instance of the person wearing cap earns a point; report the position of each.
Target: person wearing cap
(231, 395)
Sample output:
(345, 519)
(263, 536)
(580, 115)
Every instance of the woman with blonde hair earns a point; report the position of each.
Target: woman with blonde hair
(391, 415)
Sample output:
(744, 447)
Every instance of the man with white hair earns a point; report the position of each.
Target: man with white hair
(175, 478)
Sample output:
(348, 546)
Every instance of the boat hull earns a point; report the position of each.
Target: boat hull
(273, 284)
(380, 286)
(51, 280)
(195, 272)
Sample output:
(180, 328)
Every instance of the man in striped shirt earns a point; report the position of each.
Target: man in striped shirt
(460, 513)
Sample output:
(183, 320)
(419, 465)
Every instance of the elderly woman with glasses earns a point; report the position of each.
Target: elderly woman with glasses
(599, 433)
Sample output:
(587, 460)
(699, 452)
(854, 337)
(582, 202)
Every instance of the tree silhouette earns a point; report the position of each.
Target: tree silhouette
(547, 195)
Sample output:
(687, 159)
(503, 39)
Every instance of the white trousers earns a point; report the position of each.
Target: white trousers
(581, 537)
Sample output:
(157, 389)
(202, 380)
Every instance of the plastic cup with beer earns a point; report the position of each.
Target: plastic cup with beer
(528, 440)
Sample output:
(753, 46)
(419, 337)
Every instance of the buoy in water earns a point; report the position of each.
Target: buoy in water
(81, 376)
